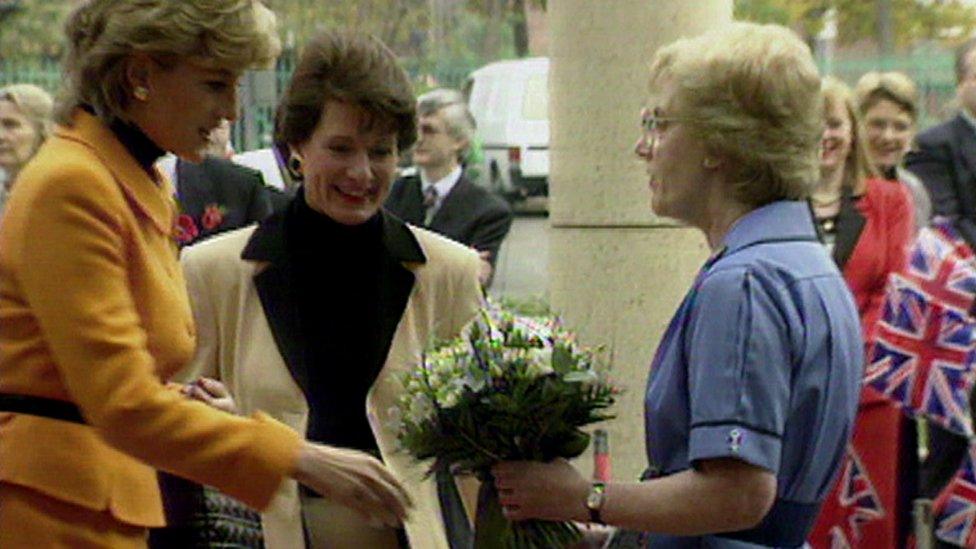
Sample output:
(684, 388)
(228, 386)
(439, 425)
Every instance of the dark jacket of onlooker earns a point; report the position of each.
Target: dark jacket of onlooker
(218, 195)
(469, 214)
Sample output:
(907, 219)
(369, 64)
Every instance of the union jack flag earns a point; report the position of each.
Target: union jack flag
(955, 508)
(923, 355)
(859, 500)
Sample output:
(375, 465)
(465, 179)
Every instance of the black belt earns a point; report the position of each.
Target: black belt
(40, 406)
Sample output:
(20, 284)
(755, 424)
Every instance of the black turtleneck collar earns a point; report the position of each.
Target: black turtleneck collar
(890, 173)
(308, 230)
(271, 241)
(143, 149)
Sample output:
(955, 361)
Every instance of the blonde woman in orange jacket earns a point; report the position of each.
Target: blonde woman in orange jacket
(94, 315)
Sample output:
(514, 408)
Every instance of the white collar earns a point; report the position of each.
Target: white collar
(444, 185)
(968, 117)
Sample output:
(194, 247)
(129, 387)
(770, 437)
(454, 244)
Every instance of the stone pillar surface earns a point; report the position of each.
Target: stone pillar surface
(617, 272)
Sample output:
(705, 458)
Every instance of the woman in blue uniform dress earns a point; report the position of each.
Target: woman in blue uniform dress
(752, 391)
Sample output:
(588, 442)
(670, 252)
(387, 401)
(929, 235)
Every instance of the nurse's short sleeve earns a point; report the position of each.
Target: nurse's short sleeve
(738, 350)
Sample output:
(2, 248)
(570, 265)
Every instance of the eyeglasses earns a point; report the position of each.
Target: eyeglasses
(653, 123)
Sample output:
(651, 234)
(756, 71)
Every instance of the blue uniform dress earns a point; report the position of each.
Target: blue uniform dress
(762, 362)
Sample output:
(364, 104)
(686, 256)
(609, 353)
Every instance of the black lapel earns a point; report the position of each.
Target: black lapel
(227, 186)
(401, 247)
(453, 208)
(850, 223)
(277, 290)
(192, 188)
(407, 200)
(965, 138)
(965, 144)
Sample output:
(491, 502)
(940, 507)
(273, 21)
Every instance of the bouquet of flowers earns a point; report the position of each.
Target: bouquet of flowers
(509, 388)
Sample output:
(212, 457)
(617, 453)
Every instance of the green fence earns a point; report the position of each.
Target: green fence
(44, 73)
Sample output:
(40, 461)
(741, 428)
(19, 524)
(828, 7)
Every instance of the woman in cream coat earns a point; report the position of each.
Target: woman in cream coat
(312, 315)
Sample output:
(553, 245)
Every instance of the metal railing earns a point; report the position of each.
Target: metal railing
(932, 71)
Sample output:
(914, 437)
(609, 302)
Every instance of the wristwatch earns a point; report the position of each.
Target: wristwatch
(595, 499)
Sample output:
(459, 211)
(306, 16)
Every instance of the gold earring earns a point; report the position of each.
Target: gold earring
(141, 93)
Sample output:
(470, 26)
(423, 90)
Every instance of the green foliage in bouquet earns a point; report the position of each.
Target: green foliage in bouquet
(510, 388)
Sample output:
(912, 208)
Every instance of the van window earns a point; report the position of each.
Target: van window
(535, 104)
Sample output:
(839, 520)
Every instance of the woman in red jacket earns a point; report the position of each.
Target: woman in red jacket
(866, 223)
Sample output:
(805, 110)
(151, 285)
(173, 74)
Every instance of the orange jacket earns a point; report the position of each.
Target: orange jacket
(93, 310)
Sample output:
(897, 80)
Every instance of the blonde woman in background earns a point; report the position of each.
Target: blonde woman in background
(867, 223)
(26, 114)
(888, 105)
(94, 314)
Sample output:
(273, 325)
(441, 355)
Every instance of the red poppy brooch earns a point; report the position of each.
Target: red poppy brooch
(213, 216)
(186, 229)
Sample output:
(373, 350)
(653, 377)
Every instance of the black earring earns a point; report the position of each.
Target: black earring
(295, 166)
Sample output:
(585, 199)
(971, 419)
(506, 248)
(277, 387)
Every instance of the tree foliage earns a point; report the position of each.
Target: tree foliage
(857, 20)
(33, 29)
(397, 23)
(439, 41)
(505, 13)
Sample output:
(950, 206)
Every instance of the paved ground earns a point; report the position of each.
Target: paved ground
(522, 270)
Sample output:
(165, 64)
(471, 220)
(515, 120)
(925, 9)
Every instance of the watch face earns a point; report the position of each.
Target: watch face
(595, 498)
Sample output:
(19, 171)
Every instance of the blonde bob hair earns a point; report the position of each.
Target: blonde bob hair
(102, 34)
(857, 166)
(35, 104)
(750, 92)
(893, 86)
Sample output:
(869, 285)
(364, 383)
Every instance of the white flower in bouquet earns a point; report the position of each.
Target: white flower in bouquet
(510, 388)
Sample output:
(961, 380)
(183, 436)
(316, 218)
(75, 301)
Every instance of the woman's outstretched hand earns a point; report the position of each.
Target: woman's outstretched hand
(353, 479)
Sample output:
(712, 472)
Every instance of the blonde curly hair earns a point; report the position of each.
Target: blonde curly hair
(752, 94)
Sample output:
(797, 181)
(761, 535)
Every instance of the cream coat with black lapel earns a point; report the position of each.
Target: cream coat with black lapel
(245, 306)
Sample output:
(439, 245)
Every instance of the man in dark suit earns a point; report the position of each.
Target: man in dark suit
(944, 158)
(437, 195)
(218, 195)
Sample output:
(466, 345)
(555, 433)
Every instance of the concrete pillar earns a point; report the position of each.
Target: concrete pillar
(617, 273)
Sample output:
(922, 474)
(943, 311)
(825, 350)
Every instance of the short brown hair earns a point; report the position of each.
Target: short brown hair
(102, 34)
(353, 68)
(894, 86)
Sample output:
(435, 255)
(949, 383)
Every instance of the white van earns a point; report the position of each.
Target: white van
(510, 103)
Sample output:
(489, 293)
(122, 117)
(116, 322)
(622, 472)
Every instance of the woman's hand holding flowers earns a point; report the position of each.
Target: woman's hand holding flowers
(553, 491)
